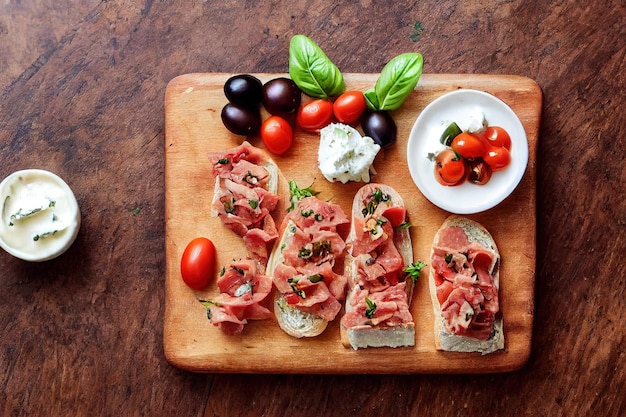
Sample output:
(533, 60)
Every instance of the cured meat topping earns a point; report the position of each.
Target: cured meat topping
(379, 295)
(242, 200)
(310, 248)
(243, 293)
(466, 289)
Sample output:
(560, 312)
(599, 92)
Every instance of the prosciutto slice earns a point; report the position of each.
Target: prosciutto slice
(465, 285)
(310, 248)
(378, 295)
(242, 199)
(243, 295)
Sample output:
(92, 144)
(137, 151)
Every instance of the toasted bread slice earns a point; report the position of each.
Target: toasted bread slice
(449, 341)
(373, 334)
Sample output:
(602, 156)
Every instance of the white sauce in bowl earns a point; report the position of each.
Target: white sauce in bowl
(39, 215)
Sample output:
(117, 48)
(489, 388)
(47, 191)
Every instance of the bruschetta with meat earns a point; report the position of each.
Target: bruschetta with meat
(243, 296)
(245, 193)
(379, 289)
(306, 266)
(464, 283)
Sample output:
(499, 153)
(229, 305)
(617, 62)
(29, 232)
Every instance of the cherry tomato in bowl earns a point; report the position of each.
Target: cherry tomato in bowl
(276, 134)
(497, 158)
(497, 137)
(349, 106)
(197, 264)
(450, 167)
(468, 145)
(315, 115)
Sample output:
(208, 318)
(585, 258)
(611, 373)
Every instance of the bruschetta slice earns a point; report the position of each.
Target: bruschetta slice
(464, 281)
(243, 296)
(245, 193)
(304, 265)
(379, 293)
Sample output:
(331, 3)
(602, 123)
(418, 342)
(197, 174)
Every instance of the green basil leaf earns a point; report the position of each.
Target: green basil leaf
(312, 71)
(370, 99)
(396, 81)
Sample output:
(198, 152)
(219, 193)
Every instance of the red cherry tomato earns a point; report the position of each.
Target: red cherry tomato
(449, 167)
(497, 158)
(396, 215)
(349, 106)
(277, 134)
(315, 115)
(197, 264)
(469, 146)
(496, 136)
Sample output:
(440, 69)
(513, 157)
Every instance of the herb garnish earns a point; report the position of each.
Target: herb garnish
(315, 278)
(414, 270)
(371, 308)
(417, 31)
(293, 283)
(296, 194)
(44, 235)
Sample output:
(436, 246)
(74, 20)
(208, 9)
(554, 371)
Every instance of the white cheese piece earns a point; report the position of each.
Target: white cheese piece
(474, 122)
(39, 218)
(345, 155)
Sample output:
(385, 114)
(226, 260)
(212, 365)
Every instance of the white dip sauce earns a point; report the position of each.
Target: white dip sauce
(39, 217)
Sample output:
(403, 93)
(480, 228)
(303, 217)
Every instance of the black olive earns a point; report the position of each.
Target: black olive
(244, 89)
(379, 125)
(281, 96)
(241, 120)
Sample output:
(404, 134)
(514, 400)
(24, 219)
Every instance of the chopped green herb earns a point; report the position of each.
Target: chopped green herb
(305, 253)
(296, 194)
(229, 206)
(417, 31)
(315, 278)
(207, 304)
(224, 161)
(136, 211)
(253, 203)
(44, 235)
(306, 213)
(404, 225)
(319, 217)
(414, 270)
(293, 283)
(371, 308)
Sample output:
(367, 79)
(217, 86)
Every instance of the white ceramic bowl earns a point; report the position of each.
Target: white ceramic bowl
(39, 215)
(457, 106)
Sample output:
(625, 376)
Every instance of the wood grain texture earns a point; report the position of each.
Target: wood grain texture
(194, 129)
(83, 87)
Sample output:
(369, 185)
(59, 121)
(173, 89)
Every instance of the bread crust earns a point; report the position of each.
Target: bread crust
(445, 341)
(371, 336)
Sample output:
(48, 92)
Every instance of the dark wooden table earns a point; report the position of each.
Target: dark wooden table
(82, 86)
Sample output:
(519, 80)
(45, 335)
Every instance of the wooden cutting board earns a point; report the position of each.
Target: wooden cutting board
(193, 129)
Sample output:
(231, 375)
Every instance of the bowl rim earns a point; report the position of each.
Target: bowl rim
(433, 117)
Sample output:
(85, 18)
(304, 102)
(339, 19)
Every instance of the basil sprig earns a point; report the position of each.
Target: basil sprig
(396, 81)
(312, 71)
